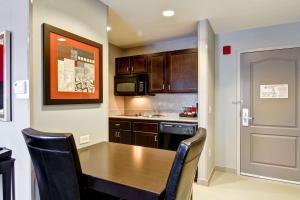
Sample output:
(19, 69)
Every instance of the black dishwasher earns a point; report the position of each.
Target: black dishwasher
(171, 134)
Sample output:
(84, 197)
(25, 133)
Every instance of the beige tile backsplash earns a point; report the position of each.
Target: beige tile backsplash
(160, 103)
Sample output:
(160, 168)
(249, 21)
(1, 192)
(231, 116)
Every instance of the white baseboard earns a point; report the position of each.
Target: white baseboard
(206, 182)
(225, 169)
(271, 179)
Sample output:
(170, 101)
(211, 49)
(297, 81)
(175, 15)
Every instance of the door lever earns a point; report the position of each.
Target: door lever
(246, 117)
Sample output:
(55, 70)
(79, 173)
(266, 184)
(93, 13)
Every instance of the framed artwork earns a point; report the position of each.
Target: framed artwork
(5, 76)
(72, 68)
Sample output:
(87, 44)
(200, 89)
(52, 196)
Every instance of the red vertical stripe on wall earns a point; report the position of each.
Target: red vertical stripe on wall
(1, 63)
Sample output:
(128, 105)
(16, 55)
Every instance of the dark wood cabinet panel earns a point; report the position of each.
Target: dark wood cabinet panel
(138, 64)
(145, 127)
(145, 139)
(120, 136)
(156, 71)
(125, 137)
(123, 66)
(182, 71)
(113, 135)
(124, 125)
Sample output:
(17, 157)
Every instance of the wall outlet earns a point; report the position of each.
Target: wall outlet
(84, 139)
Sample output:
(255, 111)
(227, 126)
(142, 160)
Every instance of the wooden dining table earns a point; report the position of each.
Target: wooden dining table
(126, 171)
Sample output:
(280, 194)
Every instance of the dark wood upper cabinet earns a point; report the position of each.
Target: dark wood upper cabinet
(131, 65)
(169, 72)
(156, 71)
(182, 71)
(123, 65)
(138, 64)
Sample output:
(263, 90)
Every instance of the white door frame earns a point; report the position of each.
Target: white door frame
(238, 109)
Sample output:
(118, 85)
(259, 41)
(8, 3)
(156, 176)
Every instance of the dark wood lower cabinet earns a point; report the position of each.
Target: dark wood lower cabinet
(133, 131)
(145, 139)
(120, 136)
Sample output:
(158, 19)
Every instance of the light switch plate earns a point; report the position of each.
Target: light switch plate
(21, 89)
(84, 139)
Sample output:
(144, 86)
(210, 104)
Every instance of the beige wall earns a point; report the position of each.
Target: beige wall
(116, 103)
(166, 103)
(85, 18)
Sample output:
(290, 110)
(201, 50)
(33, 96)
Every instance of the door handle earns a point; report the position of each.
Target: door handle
(246, 117)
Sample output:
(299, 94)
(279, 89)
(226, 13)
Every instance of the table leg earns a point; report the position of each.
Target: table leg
(7, 184)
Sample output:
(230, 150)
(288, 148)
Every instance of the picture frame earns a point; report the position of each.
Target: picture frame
(5, 76)
(72, 68)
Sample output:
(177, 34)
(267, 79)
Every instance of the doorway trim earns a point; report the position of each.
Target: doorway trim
(238, 104)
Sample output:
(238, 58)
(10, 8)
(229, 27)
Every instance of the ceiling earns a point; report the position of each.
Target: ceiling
(139, 22)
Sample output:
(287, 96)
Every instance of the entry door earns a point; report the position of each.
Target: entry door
(270, 144)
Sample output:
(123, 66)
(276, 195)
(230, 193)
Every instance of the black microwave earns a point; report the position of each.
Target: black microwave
(131, 85)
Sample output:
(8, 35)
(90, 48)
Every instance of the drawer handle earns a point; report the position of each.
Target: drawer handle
(117, 134)
(117, 124)
(167, 125)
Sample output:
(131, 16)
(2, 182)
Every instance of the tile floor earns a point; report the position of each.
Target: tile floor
(226, 186)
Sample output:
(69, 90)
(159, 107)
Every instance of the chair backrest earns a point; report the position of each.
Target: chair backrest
(182, 175)
(56, 164)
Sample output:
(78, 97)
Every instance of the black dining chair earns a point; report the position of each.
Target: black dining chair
(57, 167)
(183, 171)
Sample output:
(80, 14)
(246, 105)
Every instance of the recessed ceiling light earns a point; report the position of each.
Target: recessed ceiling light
(108, 28)
(168, 13)
(61, 39)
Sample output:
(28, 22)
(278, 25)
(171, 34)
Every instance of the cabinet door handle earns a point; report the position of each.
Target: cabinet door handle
(155, 138)
(169, 87)
(116, 134)
(119, 134)
(132, 69)
(163, 86)
(127, 69)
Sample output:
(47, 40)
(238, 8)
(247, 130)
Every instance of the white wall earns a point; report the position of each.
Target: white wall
(164, 45)
(14, 15)
(226, 80)
(87, 19)
(206, 40)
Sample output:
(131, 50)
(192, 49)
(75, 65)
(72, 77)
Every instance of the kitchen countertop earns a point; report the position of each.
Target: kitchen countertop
(174, 118)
